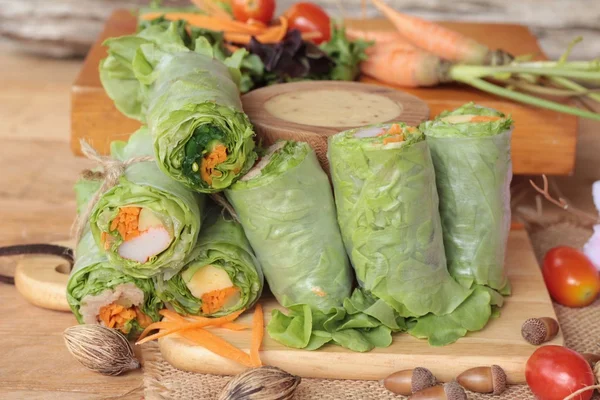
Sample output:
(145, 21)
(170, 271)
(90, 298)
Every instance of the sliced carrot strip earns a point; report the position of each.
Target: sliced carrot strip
(258, 330)
(172, 315)
(234, 326)
(273, 34)
(157, 325)
(206, 22)
(217, 345)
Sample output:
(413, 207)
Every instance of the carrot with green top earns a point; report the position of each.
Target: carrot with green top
(441, 41)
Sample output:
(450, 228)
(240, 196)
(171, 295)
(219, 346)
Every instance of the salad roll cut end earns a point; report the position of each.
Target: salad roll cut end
(213, 286)
(137, 233)
(115, 308)
(469, 120)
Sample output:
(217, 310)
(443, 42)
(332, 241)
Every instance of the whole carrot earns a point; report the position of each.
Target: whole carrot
(402, 65)
(441, 41)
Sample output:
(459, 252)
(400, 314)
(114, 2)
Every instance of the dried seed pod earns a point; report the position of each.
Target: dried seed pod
(449, 391)
(484, 380)
(264, 383)
(539, 330)
(409, 381)
(100, 349)
(591, 358)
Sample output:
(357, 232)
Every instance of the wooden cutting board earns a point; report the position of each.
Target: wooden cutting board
(543, 141)
(500, 342)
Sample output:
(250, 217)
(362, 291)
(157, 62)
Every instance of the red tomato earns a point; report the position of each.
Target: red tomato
(554, 372)
(260, 10)
(570, 276)
(309, 17)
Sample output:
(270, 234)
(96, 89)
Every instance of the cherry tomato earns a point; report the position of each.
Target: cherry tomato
(570, 276)
(554, 372)
(259, 10)
(309, 17)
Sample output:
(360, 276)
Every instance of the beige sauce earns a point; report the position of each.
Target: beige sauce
(333, 108)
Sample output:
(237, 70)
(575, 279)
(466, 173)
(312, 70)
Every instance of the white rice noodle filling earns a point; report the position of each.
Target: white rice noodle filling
(126, 294)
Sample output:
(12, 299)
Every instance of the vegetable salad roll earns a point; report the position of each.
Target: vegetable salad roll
(148, 223)
(222, 275)
(286, 207)
(387, 208)
(190, 101)
(100, 294)
(470, 147)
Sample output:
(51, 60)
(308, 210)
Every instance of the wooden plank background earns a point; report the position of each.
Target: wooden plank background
(69, 27)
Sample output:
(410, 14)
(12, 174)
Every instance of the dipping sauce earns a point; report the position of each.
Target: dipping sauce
(333, 108)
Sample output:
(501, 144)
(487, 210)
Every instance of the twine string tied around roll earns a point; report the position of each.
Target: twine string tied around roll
(112, 170)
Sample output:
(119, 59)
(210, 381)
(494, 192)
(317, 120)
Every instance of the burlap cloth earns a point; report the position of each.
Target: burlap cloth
(581, 329)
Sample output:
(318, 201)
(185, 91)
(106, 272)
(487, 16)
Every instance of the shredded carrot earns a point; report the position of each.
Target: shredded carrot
(484, 118)
(210, 161)
(172, 315)
(177, 326)
(234, 326)
(393, 139)
(217, 345)
(126, 222)
(273, 34)
(207, 22)
(142, 319)
(214, 300)
(116, 316)
(211, 8)
(395, 129)
(258, 331)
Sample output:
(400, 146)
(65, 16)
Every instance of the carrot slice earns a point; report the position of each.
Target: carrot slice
(217, 345)
(258, 330)
(274, 34)
(484, 118)
(206, 22)
(172, 315)
(234, 326)
(157, 325)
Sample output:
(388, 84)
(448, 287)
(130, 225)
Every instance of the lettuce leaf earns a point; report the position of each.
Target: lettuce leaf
(473, 172)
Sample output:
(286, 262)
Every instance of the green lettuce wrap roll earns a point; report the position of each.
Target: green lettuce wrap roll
(287, 210)
(148, 223)
(470, 147)
(98, 293)
(222, 275)
(387, 207)
(190, 101)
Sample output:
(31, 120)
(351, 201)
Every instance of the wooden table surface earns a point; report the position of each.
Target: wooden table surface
(37, 172)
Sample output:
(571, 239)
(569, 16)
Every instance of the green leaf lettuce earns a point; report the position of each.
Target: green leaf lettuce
(473, 172)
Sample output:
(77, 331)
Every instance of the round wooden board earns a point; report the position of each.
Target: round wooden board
(271, 128)
(42, 281)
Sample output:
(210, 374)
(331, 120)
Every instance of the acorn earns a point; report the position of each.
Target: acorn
(591, 358)
(449, 391)
(484, 380)
(409, 381)
(539, 330)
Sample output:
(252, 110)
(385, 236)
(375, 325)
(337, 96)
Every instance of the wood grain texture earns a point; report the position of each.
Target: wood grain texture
(269, 128)
(64, 28)
(543, 142)
(36, 364)
(500, 342)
